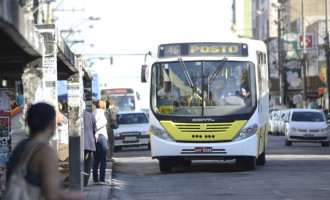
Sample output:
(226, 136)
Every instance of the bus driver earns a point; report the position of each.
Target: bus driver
(232, 89)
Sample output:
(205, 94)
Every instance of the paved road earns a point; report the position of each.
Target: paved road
(291, 173)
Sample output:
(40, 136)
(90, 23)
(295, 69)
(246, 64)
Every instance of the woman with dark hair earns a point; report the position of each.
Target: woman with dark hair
(42, 168)
(101, 138)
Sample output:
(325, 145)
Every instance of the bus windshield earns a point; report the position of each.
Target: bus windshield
(122, 102)
(121, 99)
(203, 88)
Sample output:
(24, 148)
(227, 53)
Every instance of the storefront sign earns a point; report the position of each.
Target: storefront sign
(309, 41)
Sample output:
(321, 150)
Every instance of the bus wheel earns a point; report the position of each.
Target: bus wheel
(261, 160)
(186, 163)
(165, 165)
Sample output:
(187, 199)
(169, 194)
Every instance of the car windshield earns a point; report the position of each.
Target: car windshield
(307, 117)
(132, 118)
(203, 88)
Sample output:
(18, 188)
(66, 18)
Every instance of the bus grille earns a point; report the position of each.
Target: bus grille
(201, 132)
(205, 128)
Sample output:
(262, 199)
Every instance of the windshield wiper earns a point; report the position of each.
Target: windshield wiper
(186, 73)
(216, 72)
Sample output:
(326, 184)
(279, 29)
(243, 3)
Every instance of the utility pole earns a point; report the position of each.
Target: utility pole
(327, 54)
(280, 64)
(303, 59)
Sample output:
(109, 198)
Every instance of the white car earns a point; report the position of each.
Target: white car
(306, 125)
(133, 130)
(280, 123)
(273, 118)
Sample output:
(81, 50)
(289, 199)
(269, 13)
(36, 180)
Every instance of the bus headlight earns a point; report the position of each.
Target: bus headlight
(246, 132)
(162, 134)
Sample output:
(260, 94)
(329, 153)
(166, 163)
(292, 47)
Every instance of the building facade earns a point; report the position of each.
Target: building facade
(294, 56)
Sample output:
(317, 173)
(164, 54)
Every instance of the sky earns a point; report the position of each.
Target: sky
(136, 27)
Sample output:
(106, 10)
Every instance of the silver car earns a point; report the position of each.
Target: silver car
(306, 125)
(133, 130)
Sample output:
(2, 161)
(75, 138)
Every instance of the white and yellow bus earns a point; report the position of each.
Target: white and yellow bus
(208, 101)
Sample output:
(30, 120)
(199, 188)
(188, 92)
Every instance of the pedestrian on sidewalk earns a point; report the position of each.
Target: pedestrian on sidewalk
(111, 125)
(101, 137)
(41, 169)
(89, 142)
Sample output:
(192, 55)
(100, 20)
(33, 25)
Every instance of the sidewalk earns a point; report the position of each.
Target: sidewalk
(98, 192)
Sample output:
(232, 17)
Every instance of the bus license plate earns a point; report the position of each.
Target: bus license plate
(203, 149)
(130, 139)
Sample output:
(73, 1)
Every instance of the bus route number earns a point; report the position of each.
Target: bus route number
(173, 50)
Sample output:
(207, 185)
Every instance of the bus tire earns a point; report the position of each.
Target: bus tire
(261, 160)
(288, 143)
(250, 163)
(165, 165)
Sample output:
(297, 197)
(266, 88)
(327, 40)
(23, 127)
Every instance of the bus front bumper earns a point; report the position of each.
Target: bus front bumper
(162, 148)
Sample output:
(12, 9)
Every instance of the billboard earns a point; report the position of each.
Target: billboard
(322, 76)
(289, 41)
(293, 80)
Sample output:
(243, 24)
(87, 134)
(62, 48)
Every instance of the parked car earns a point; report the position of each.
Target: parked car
(274, 116)
(133, 130)
(306, 125)
(280, 122)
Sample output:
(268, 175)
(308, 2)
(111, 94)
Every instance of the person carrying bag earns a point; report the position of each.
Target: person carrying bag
(32, 170)
(18, 188)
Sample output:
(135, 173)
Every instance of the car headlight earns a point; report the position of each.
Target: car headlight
(117, 134)
(324, 130)
(293, 129)
(162, 134)
(246, 132)
(145, 132)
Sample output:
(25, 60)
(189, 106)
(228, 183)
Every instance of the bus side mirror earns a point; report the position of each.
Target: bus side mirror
(144, 73)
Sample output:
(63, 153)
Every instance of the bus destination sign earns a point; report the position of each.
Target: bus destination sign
(202, 49)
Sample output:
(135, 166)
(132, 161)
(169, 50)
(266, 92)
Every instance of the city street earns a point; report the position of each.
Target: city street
(292, 173)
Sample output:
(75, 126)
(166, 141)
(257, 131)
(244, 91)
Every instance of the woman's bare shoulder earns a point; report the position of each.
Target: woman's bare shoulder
(46, 153)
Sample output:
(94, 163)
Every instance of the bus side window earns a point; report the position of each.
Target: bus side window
(259, 68)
